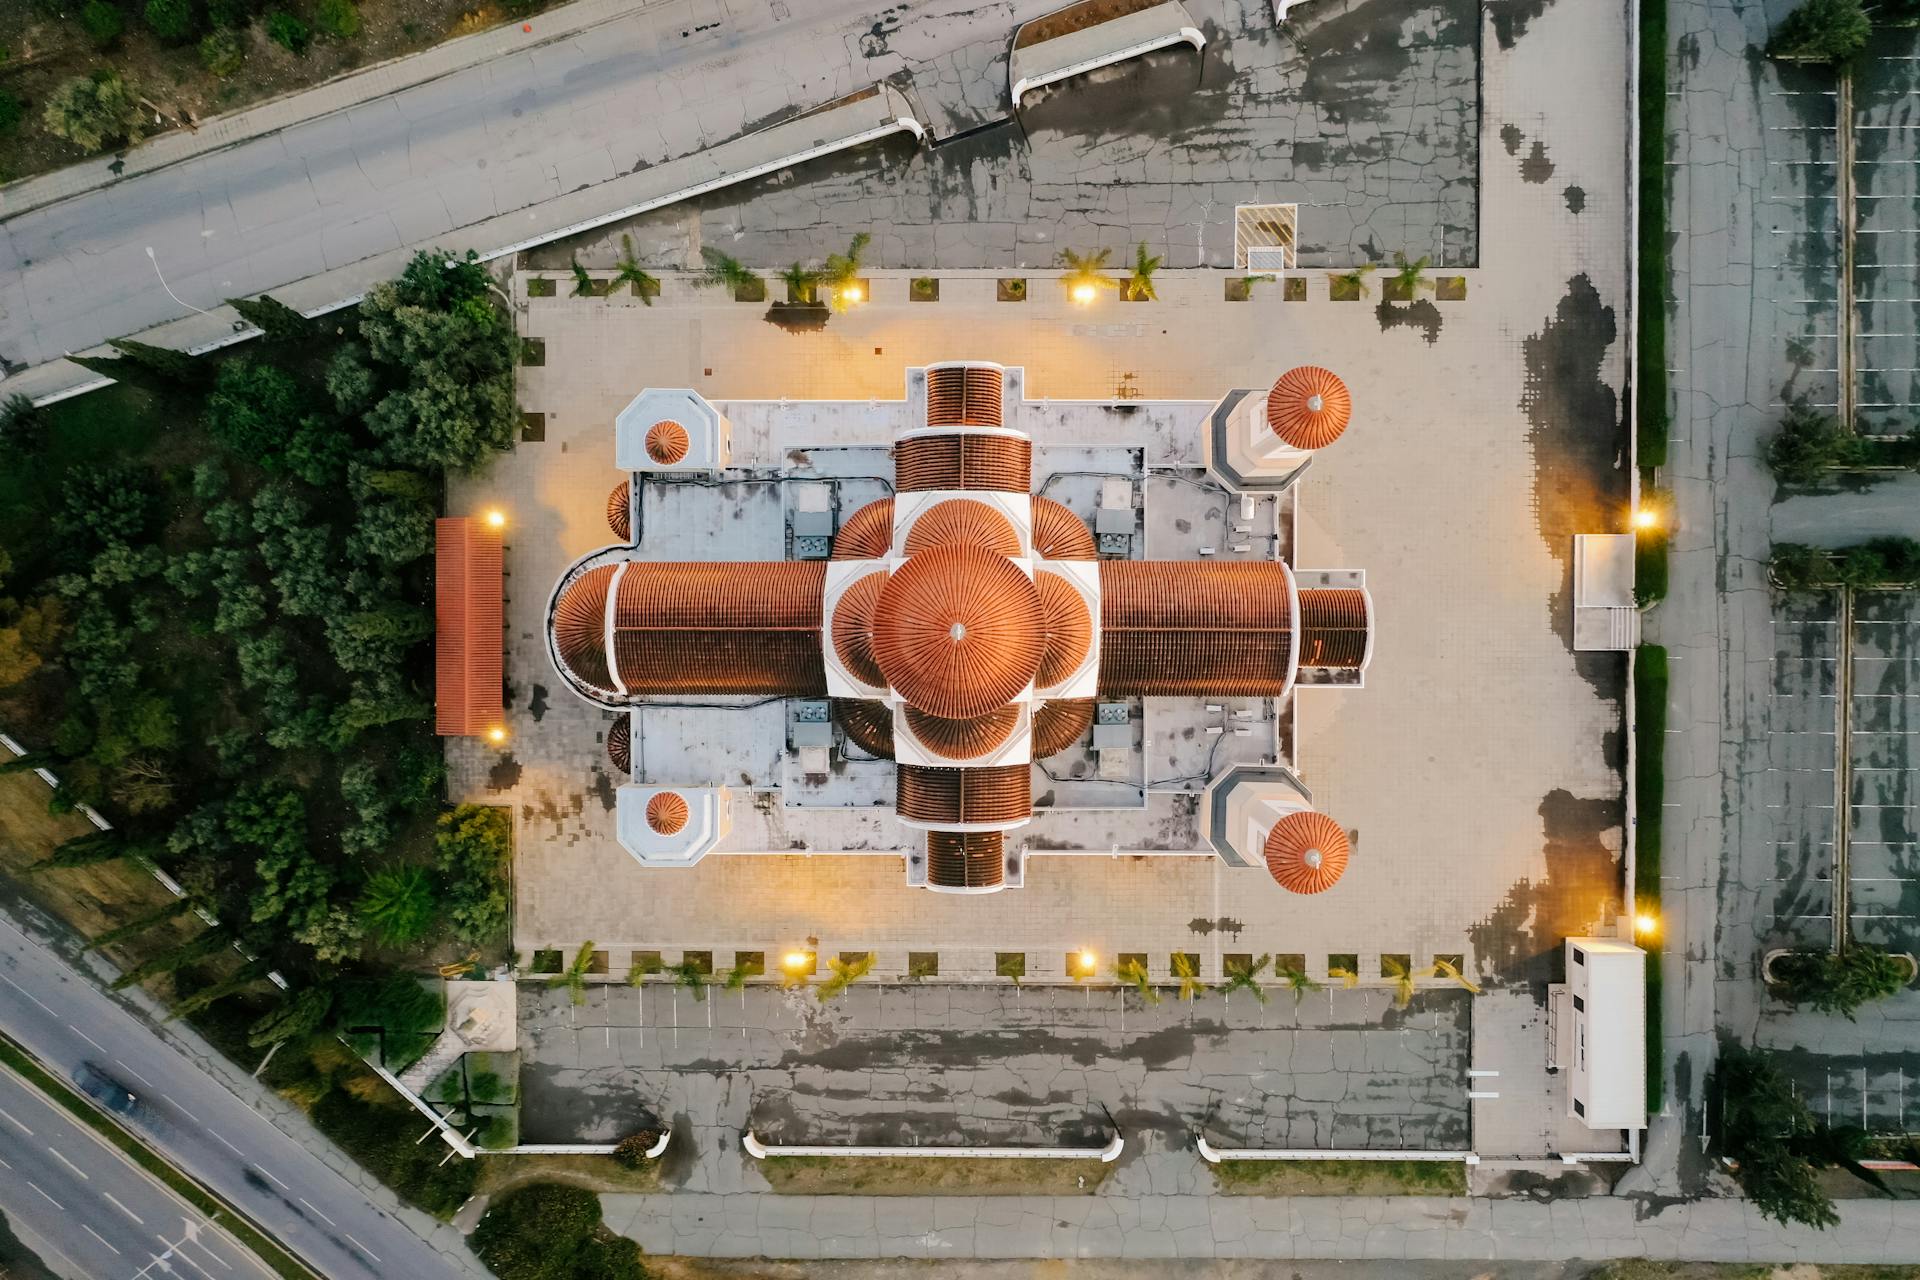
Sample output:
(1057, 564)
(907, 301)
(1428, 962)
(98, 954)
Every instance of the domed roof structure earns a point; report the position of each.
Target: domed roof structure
(667, 813)
(580, 625)
(958, 631)
(867, 724)
(667, 442)
(1069, 628)
(1308, 407)
(964, 739)
(619, 514)
(1058, 723)
(867, 534)
(1307, 852)
(1058, 534)
(620, 744)
(963, 522)
(853, 628)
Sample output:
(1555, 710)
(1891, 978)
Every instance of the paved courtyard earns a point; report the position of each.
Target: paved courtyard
(931, 1065)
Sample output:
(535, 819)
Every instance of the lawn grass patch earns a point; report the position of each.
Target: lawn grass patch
(1340, 1178)
(216, 1209)
(1650, 392)
(502, 1173)
(1649, 779)
(923, 1175)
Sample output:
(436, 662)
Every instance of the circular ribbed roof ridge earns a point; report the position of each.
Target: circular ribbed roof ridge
(1068, 625)
(958, 631)
(667, 442)
(964, 522)
(1059, 534)
(963, 739)
(853, 628)
(580, 625)
(1307, 852)
(1309, 407)
(667, 812)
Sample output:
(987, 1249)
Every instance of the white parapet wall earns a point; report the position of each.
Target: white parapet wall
(1115, 40)
(1106, 1155)
(1214, 1155)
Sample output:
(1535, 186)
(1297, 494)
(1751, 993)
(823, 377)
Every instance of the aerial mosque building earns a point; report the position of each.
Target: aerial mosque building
(967, 628)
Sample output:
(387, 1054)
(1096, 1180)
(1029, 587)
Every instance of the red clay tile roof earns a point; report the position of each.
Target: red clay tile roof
(958, 631)
(963, 739)
(469, 643)
(1309, 407)
(962, 522)
(667, 812)
(667, 442)
(1058, 534)
(1058, 723)
(1069, 629)
(853, 628)
(619, 515)
(1306, 852)
(867, 534)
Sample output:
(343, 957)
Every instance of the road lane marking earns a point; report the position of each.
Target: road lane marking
(5, 1165)
(97, 1236)
(228, 1145)
(9, 1115)
(362, 1248)
(178, 1250)
(195, 1239)
(49, 1199)
(122, 1208)
(70, 1164)
(28, 994)
(84, 1036)
(182, 1110)
(323, 1217)
(283, 1186)
(135, 1074)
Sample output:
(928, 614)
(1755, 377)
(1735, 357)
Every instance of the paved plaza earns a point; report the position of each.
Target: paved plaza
(943, 1065)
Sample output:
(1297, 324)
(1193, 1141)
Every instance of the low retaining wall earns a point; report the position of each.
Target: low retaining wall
(1115, 40)
(1106, 1155)
(1214, 1155)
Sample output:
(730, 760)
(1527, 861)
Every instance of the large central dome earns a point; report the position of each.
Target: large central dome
(958, 631)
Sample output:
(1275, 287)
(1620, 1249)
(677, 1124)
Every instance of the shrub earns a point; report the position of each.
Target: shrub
(631, 1151)
(1821, 31)
(337, 18)
(381, 1138)
(221, 52)
(1809, 444)
(92, 111)
(102, 21)
(1760, 1121)
(1839, 984)
(546, 1231)
(171, 20)
(288, 32)
(251, 408)
(397, 1002)
(473, 844)
(12, 112)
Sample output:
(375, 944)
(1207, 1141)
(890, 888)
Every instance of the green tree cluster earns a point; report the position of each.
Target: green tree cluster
(473, 845)
(546, 1231)
(95, 110)
(1821, 31)
(1839, 983)
(1878, 562)
(1773, 1141)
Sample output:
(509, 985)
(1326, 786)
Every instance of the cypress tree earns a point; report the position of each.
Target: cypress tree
(245, 976)
(175, 366)
(140, 924)
(198, 947)
(272, 317)
(31, 760)
(301, 1013)
(85, 851)
(127, 373)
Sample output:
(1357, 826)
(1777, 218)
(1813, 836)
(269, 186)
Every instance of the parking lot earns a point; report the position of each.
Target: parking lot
(1886, 176)
(1796, 901)
(905, 1064)
(1883, 854)
(1797, 274)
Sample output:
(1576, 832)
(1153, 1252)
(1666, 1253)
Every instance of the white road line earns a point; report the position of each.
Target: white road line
(70, 1164)
(182, 1110)
(177, 1251)
(84, 1036)
(97, 1236)
(49, 1199)
(135, 1074)
(263, 1169)
(9, 1115)
(5, 1165)
(362, 1248)
(195, 1239)
(323, 1217)
(122, 1208)
(28, 994)
(228, 1145)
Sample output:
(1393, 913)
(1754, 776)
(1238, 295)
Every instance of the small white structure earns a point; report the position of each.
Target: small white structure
(1604, 614)
(1599, 1032)
(667, 429)
(671, 826)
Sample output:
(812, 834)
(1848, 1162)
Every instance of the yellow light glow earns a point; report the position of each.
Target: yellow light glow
(496, 518)
(1085, 961)
(1645, 922)
(1646, 518)
(497, 735)
(852, 293)
(795, 961)
(1084, 294)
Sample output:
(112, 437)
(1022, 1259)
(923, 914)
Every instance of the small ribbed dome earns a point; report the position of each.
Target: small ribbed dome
(853, 628)
(867, 534)
(867, 724)
(1069, 629)
(962, 522)
(619, 515)
(958, 631)
(1058, 723)
(667, 442)
(1058, 534)
(667, 813)
(963, 739)
(1307, 852)
(620, 744)
(580, 626)
(1309, 407)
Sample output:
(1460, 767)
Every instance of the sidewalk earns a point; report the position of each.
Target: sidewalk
(339, 94)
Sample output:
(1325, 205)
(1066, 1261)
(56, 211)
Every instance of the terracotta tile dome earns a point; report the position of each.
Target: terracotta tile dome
(667, 442)
(966, 859)
(1058, 723)
(867, 534)
(958, 631)
(867, 724)
(620, 744)
(1309, 407)
(619, 515)
(580, 626)
(1069, 629)
(853, 628)
(998, 795)
(962, 522)
(963, 739)
(667, 813)
(1058, 534)
(1307, 852)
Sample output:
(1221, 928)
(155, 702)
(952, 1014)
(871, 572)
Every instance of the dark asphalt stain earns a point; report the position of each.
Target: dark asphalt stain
(603, 790)
(1576, 198)
(537, 708)
(1536, 168)
(553, 1111)
(1520, 942)
(1510, 18)
(505, 775)
(1511, 137)
(1422, 315)
(1170, 95)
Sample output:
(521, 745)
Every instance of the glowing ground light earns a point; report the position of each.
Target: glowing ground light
(1085, 962)
(852, 293)
(795, 961)
(497, 735)
(1646, 518)
(496, 519)
(1645, 923)
(1084, 294)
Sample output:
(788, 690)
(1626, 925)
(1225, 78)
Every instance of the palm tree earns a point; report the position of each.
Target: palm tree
(583, 285)
(741, 971)
(1190, 984)
(1348, 978)
(1087, 270)
(1401, 974)
(1446, 969)
(1298, 982)
(724, 269)
(1134, 974)
(1140, 283)
(1410, 277)
(1354, 280)
(687, 974)
(845, 974)
(841, 270)
(630, 272)
(399, 904)
(1247, 978)
(801, 283)
(575, 977)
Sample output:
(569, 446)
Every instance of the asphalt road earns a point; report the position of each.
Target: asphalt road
(200, 1125)
(88, 1210)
